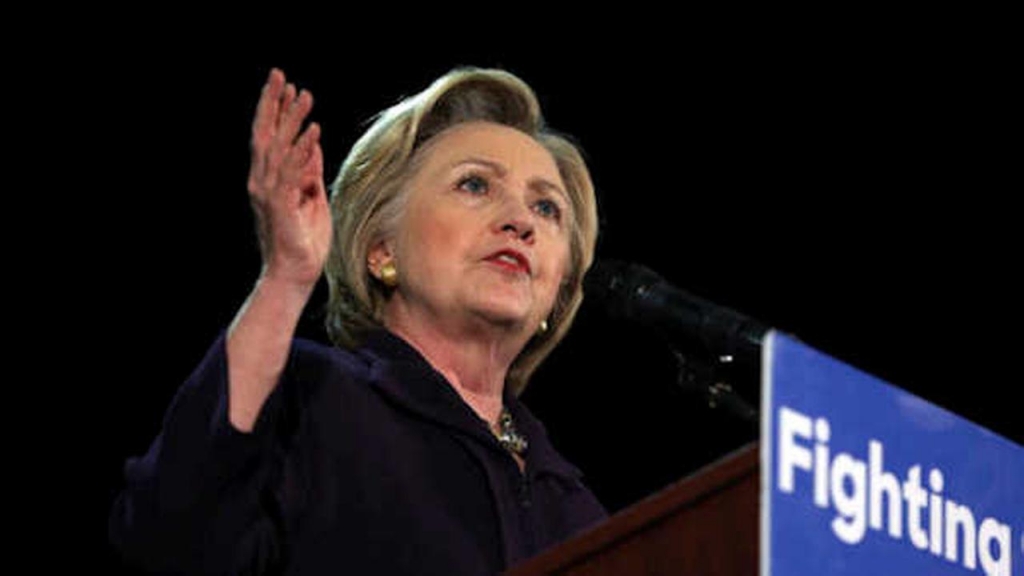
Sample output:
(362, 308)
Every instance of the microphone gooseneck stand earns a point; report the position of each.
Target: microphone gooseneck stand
(716, 349)
(708, 379)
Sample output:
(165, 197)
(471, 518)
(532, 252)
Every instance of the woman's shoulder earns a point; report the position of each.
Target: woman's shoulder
(315, 361)
(324, 383)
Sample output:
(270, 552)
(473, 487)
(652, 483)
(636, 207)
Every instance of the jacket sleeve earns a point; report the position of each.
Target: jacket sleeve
(200, 500)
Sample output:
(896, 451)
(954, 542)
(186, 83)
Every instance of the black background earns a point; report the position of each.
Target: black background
(851, 190)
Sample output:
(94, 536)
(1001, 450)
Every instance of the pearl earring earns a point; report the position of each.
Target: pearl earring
(543, 328)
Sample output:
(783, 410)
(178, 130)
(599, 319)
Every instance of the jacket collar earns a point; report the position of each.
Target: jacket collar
(401, 373)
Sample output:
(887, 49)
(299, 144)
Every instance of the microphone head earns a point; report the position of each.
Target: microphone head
(635, 293)
(619, 286)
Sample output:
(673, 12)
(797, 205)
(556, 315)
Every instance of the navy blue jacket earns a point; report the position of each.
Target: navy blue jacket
(364, 462)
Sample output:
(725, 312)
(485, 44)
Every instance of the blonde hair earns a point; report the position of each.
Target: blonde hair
(367, 200)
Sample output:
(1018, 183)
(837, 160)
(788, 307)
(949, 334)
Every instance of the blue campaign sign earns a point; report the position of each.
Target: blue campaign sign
(859, 477)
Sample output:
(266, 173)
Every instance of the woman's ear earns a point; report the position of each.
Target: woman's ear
(379, 255)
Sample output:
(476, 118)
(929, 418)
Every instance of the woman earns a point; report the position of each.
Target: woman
(455, 243)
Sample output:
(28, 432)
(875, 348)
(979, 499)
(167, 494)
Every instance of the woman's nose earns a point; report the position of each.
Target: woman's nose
(516, 219)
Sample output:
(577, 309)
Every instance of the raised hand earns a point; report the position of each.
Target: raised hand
(286, 186)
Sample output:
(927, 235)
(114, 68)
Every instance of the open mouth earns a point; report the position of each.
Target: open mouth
(510, 260)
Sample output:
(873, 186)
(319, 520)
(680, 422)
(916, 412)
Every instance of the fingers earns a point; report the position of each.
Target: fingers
(266, 109)
(277, 148)
(302, 168)
(280, 112)
(311, 182)
(264, 125)
(294, 110)
(300, 154)
(317, 161)
(268, 106)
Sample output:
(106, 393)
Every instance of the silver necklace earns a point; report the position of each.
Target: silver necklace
(510, 438)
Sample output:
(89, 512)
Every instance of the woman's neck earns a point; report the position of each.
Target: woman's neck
(475, 362)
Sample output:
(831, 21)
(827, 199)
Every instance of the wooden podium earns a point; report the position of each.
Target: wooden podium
(705, 524)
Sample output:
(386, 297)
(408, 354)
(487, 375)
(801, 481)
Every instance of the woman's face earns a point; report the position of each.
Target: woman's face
(485, 231)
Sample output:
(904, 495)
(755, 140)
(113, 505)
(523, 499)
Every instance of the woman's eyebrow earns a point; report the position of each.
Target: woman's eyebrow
(491, 164)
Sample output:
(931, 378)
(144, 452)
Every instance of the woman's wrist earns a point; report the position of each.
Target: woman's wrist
(284, 289)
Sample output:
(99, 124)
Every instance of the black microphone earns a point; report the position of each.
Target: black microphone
(636, 293)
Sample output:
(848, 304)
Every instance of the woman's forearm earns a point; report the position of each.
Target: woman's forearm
(258, 344)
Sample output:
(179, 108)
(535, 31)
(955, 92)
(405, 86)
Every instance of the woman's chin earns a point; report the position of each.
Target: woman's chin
(508, 319)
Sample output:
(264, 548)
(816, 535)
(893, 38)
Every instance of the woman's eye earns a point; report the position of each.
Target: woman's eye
(473, 184)
(549, 209)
